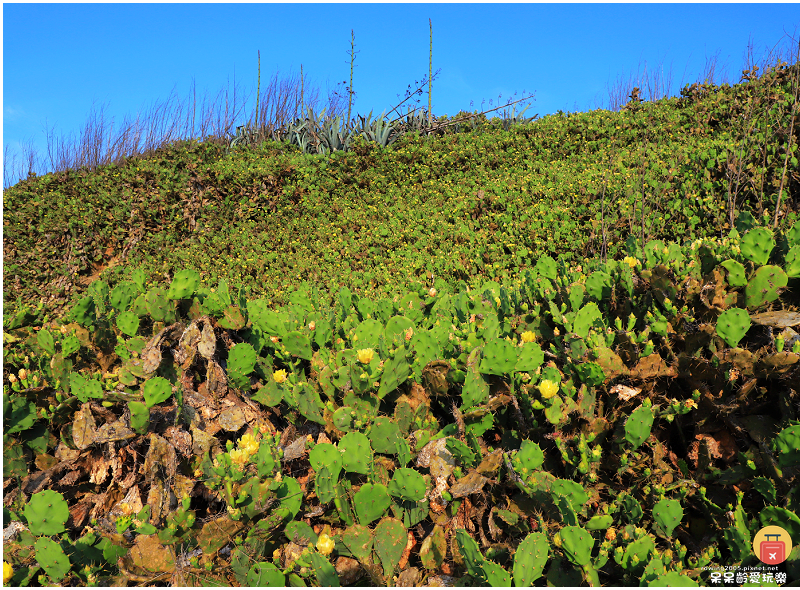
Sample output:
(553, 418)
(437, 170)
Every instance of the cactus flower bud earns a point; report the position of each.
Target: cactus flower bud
(432, 292)
(23, 374)
(12, 378)
(409, 333)
(312, 325)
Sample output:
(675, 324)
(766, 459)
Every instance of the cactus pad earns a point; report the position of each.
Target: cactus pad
(732, 325)
(638, 426)
(51, 557)
(763, 287)
(356, 452)
(390, 541)
(668, 515)
(407, 484)
(371, 501)
(530, 559)
(47, 512)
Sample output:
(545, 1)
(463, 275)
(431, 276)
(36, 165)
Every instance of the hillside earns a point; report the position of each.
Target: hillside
(455, 206)
(556, 351)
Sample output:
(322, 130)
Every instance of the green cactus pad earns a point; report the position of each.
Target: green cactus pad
(588, 316)
(407, 484)
(370, 502)
(530, 358)
(83, 312)
(577, 543)
(732, 325)
(47, 512)
(390, 541)
(637, 553)
(672, 579)
(128, 323)
(668, 515)
(572, 491)
(471, 553)
(792, 263)
(158, 306)
(395, 372)
(384, 435)
(156, 390)
(358, 540)
(298, 344)
(638, 426)
(757, 244)
(265, 574)
(598, 285)
(356, 452)
(736, 273)
(764, 285)
(122, 296)
(530, 559)
(326, 455)
(324, 570)
(241, 362)
(184, 284)
(51, 557)
(499, 357)
(787, 446)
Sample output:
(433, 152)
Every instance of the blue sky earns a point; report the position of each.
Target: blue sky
(59, 59)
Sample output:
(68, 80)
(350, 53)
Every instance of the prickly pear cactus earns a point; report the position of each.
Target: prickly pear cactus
(241, 362)
(787, 446)
(157, 303)
(407, 484)
(371, 501)
(577, 543)
(757, 244)
(384, 435)
(358, 540)
(732, 325)
(667, 515)
(499, 357)
(390, 540)
(764, 286)
(184, 284)
(356, 452)
(638, 426)
(47, 512)
(51, 557)
(530, 559)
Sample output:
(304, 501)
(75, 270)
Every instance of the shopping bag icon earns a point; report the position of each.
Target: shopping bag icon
(773, 551)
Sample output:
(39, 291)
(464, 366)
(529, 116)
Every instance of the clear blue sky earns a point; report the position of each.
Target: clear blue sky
(59, 59)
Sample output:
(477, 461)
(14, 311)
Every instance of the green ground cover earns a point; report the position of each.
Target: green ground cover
(557, 351)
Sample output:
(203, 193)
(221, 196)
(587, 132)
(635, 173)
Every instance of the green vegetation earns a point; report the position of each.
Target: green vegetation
(542, 351)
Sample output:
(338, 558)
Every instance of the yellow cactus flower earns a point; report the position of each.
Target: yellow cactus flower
(325, 544)
(274, 339)
(630, 261)
(409, 333)
(690, 403)
(365, 356)
(12, 378)
(556, 332)
(432, 292)
(279, 376)
(8, 572)
(548, 389)
(248, 444)
(239, 457)
(126, 509)
(23, 374)
(312, 325)
(528, 336)
(278, 477)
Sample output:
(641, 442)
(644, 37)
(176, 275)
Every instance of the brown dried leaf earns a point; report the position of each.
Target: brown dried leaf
(150, 554)
(83, 427)
(472, 483)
